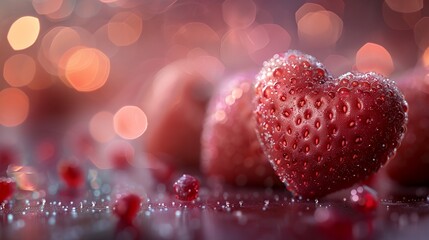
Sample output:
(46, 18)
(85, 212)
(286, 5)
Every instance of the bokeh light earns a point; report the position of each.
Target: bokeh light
(421, 33)
(307, 8)
(87, 9)
(86, 69)
(320, 28)
(372, 57)
(130, 122)
(124, 28)
(19, 70)
(23, 32)
(338, 64)
(43, 7)
(14, 106)
(197, 35)
(265, 39)
(101, 126)
(239, 13)
(400, 21)
(407, 6)
(64, 11)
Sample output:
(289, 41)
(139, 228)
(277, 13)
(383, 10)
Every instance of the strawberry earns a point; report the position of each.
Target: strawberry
(411, 163)
(175, 106)
(230, 148)
(323, 134)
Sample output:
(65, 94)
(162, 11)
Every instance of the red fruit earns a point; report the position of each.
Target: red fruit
(127, 207)
(176, 106)
(411, 163)
(230, 148)
(71, 174)
(323, 134)
(186, 188)
(7, 187)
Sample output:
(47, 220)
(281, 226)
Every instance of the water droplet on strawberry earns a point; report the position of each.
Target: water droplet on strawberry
(278, 72)
(364, 198)
(344, 91)
(186, 188)
(305, 64)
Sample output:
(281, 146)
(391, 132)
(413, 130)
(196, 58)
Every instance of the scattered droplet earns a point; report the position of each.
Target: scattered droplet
(186, 188)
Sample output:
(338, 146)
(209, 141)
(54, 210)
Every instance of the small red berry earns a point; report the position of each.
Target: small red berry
(364, 198)
(186, 188)
(127, 207)
(71, 174)
(7, 187)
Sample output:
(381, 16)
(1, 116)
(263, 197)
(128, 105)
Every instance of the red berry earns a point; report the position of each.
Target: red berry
(364, 199)
(71, 174)
(186, 188)
(127, 208)
(323, 134)
(411, 163)
(230, 148)
(7, 187)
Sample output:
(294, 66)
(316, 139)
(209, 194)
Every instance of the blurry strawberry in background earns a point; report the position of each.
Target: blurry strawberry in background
(231, 152)
(411, 163)
(175, 104)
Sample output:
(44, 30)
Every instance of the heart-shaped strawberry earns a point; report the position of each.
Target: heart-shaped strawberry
(321, 133)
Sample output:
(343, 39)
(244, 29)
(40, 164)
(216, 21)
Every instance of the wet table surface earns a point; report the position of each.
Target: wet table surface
(221, 214)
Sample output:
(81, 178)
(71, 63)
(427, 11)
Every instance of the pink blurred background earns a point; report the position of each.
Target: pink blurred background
(86, 78)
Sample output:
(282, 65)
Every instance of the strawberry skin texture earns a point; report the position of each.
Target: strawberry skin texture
(323, 134)
(410, 166)
(231, 152)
